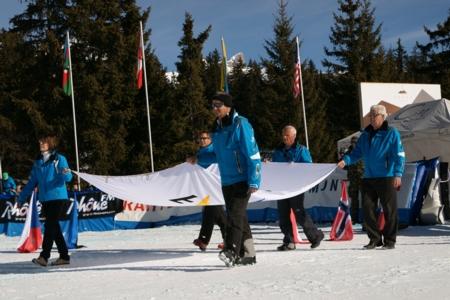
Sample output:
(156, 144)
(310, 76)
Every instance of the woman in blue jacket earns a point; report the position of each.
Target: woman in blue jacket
(49, 174)
(212, 214)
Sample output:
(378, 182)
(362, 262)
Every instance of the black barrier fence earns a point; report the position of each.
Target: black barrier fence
(91, 204)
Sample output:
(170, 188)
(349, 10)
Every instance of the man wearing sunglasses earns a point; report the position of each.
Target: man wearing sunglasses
(382, 151)
(240, 170)
(212, 214)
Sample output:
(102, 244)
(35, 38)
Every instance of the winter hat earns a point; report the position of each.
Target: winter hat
(225, 98)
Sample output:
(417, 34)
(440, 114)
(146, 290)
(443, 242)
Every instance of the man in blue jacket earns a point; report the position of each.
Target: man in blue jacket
(240, 171)
(49, 174)
(292, 151)
(381, 149)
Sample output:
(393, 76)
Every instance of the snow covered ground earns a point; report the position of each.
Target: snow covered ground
(162, 263)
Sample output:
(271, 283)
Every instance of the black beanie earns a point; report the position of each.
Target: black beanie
(225, 98)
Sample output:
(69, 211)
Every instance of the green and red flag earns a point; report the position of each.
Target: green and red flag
(66, 78)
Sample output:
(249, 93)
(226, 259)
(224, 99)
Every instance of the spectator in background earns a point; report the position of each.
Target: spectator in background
(50, 173)
(212, 214)
(292, 151)
(8, 184)
(384, 158)
(354, 175)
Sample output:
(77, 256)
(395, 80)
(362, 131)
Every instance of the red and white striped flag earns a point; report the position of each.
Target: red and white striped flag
(297, 74)
(31, 238)
(342, 229)
(139, 69)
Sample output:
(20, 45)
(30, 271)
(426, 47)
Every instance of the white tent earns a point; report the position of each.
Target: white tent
(425, 129)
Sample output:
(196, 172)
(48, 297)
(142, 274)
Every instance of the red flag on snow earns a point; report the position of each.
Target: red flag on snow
(139, 69)
(342, 229)
(381, 221)
(31, 238)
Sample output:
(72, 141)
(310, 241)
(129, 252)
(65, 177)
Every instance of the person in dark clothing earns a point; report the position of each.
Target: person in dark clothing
(212, 214)
(381, 149)
(240, 170)
(49, 174)
(9, 185)
(291, 151)
(354, 175)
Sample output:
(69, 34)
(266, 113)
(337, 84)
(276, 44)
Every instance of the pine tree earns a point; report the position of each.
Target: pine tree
(104, 36)
(437, 52)
(192, 109)
(352, 59)
(279, 72)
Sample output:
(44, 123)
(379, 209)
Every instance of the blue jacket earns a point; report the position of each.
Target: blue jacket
(297, 153)
(383, 154)
(49, 179)
(206, 156)
(9, 186)
(237, 152)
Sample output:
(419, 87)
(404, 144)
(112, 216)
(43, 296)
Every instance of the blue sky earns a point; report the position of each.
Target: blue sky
(246, 24)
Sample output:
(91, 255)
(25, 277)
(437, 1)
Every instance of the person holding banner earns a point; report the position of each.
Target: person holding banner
(381, 149)
(292, 151)
(212, 214)
(50, 173)
(240, 170)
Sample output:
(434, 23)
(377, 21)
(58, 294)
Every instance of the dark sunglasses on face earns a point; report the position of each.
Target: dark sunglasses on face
(204, 138)
(217, 105)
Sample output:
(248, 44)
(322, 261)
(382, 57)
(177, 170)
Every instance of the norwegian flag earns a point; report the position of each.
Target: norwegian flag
(139, 69)
(342, 229)
(31, 238)
(381, 221)
(297, 74)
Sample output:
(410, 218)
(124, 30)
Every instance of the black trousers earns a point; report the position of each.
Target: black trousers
(237, 230)
(211, 215)
(383, 189)
(302, 217)
(52, 230)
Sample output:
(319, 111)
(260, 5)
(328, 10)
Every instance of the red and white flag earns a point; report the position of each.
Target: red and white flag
(31, 238)
(297, 74)
(342, 229)
(139, 68)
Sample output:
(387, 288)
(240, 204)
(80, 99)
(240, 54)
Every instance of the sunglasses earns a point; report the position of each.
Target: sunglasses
(204, 138)
(217, 105)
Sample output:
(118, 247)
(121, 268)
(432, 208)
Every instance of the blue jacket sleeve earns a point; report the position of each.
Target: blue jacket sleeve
(61, 165)
(29, 187)
(305, 156)
(250, 149)
(398, 155)
(356, 154)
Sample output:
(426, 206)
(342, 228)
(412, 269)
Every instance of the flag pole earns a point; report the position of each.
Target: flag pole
(223, 77)
(73, 110)
(146, 96)
(303, 97)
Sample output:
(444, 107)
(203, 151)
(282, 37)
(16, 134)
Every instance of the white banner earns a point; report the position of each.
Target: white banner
(191, 185)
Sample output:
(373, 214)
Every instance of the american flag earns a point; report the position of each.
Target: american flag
(297, 74)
